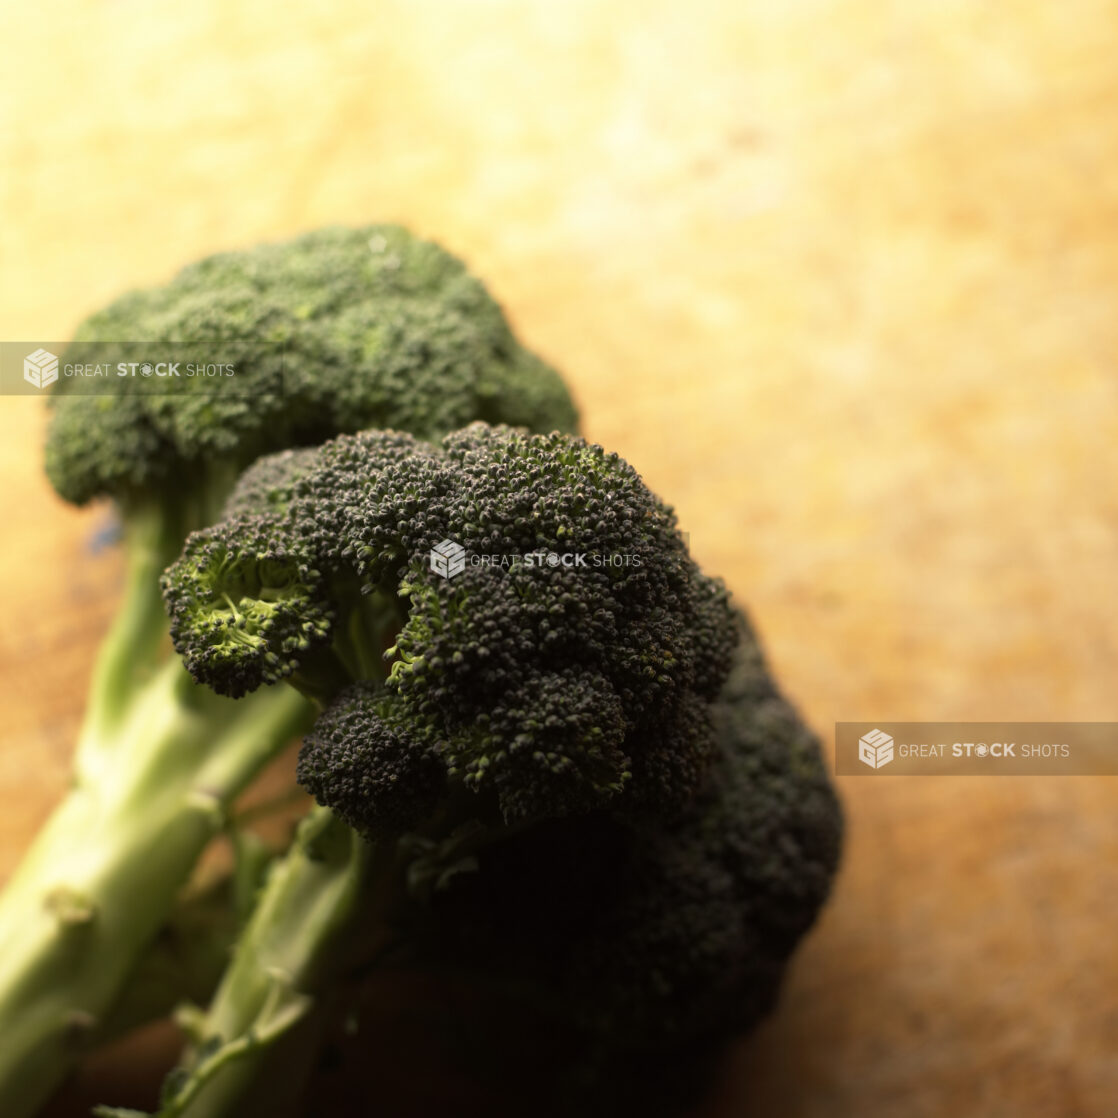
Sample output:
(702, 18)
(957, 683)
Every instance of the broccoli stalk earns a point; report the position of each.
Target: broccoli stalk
(264, 1005)
(158, 763)
(335, 331)
(137, 631)
(189, 953)
(519, 698)
(337, 906)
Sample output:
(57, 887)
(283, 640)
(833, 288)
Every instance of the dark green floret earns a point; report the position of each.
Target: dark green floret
(650, 936)
(555, 689)
(368, 771)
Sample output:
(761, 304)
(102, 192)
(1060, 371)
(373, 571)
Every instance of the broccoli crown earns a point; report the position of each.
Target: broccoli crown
(337, 330)
(648, 936)
(551, 688)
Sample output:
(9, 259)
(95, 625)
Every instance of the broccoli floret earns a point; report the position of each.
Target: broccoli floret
(331, 332)
(366, 770)
(553, 689)
(576, 780)
(650, 936)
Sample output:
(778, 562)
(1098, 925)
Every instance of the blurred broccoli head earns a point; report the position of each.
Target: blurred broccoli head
(337, 330)
(551, 689)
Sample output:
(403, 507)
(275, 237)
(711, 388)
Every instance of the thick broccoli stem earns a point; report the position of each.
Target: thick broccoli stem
(255, 1045)
(190, 950)
(153, 528)
(105, 871)
(153, 534)
(334, 908)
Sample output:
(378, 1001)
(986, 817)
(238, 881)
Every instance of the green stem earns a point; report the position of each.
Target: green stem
(104, 872)
(152, 539)
(333, 907)
(185, 960)
(256, 1043)
(154, 530)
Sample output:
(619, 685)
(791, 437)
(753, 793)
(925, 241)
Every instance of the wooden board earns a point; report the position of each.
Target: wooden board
(840, 278)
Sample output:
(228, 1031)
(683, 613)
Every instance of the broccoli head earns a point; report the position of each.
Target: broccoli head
(650, 936)
(337, 330)
(568, 665)
(572, 779)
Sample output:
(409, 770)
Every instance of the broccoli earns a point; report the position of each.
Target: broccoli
(664, 934)
(335, 331)
(532, 683)
(577, 778)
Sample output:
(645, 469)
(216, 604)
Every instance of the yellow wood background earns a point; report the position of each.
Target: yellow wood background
(839, 277)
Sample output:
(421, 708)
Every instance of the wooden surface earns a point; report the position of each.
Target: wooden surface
(839, 278)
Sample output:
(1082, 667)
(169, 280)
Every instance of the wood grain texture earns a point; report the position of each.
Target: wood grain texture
(840, 278)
